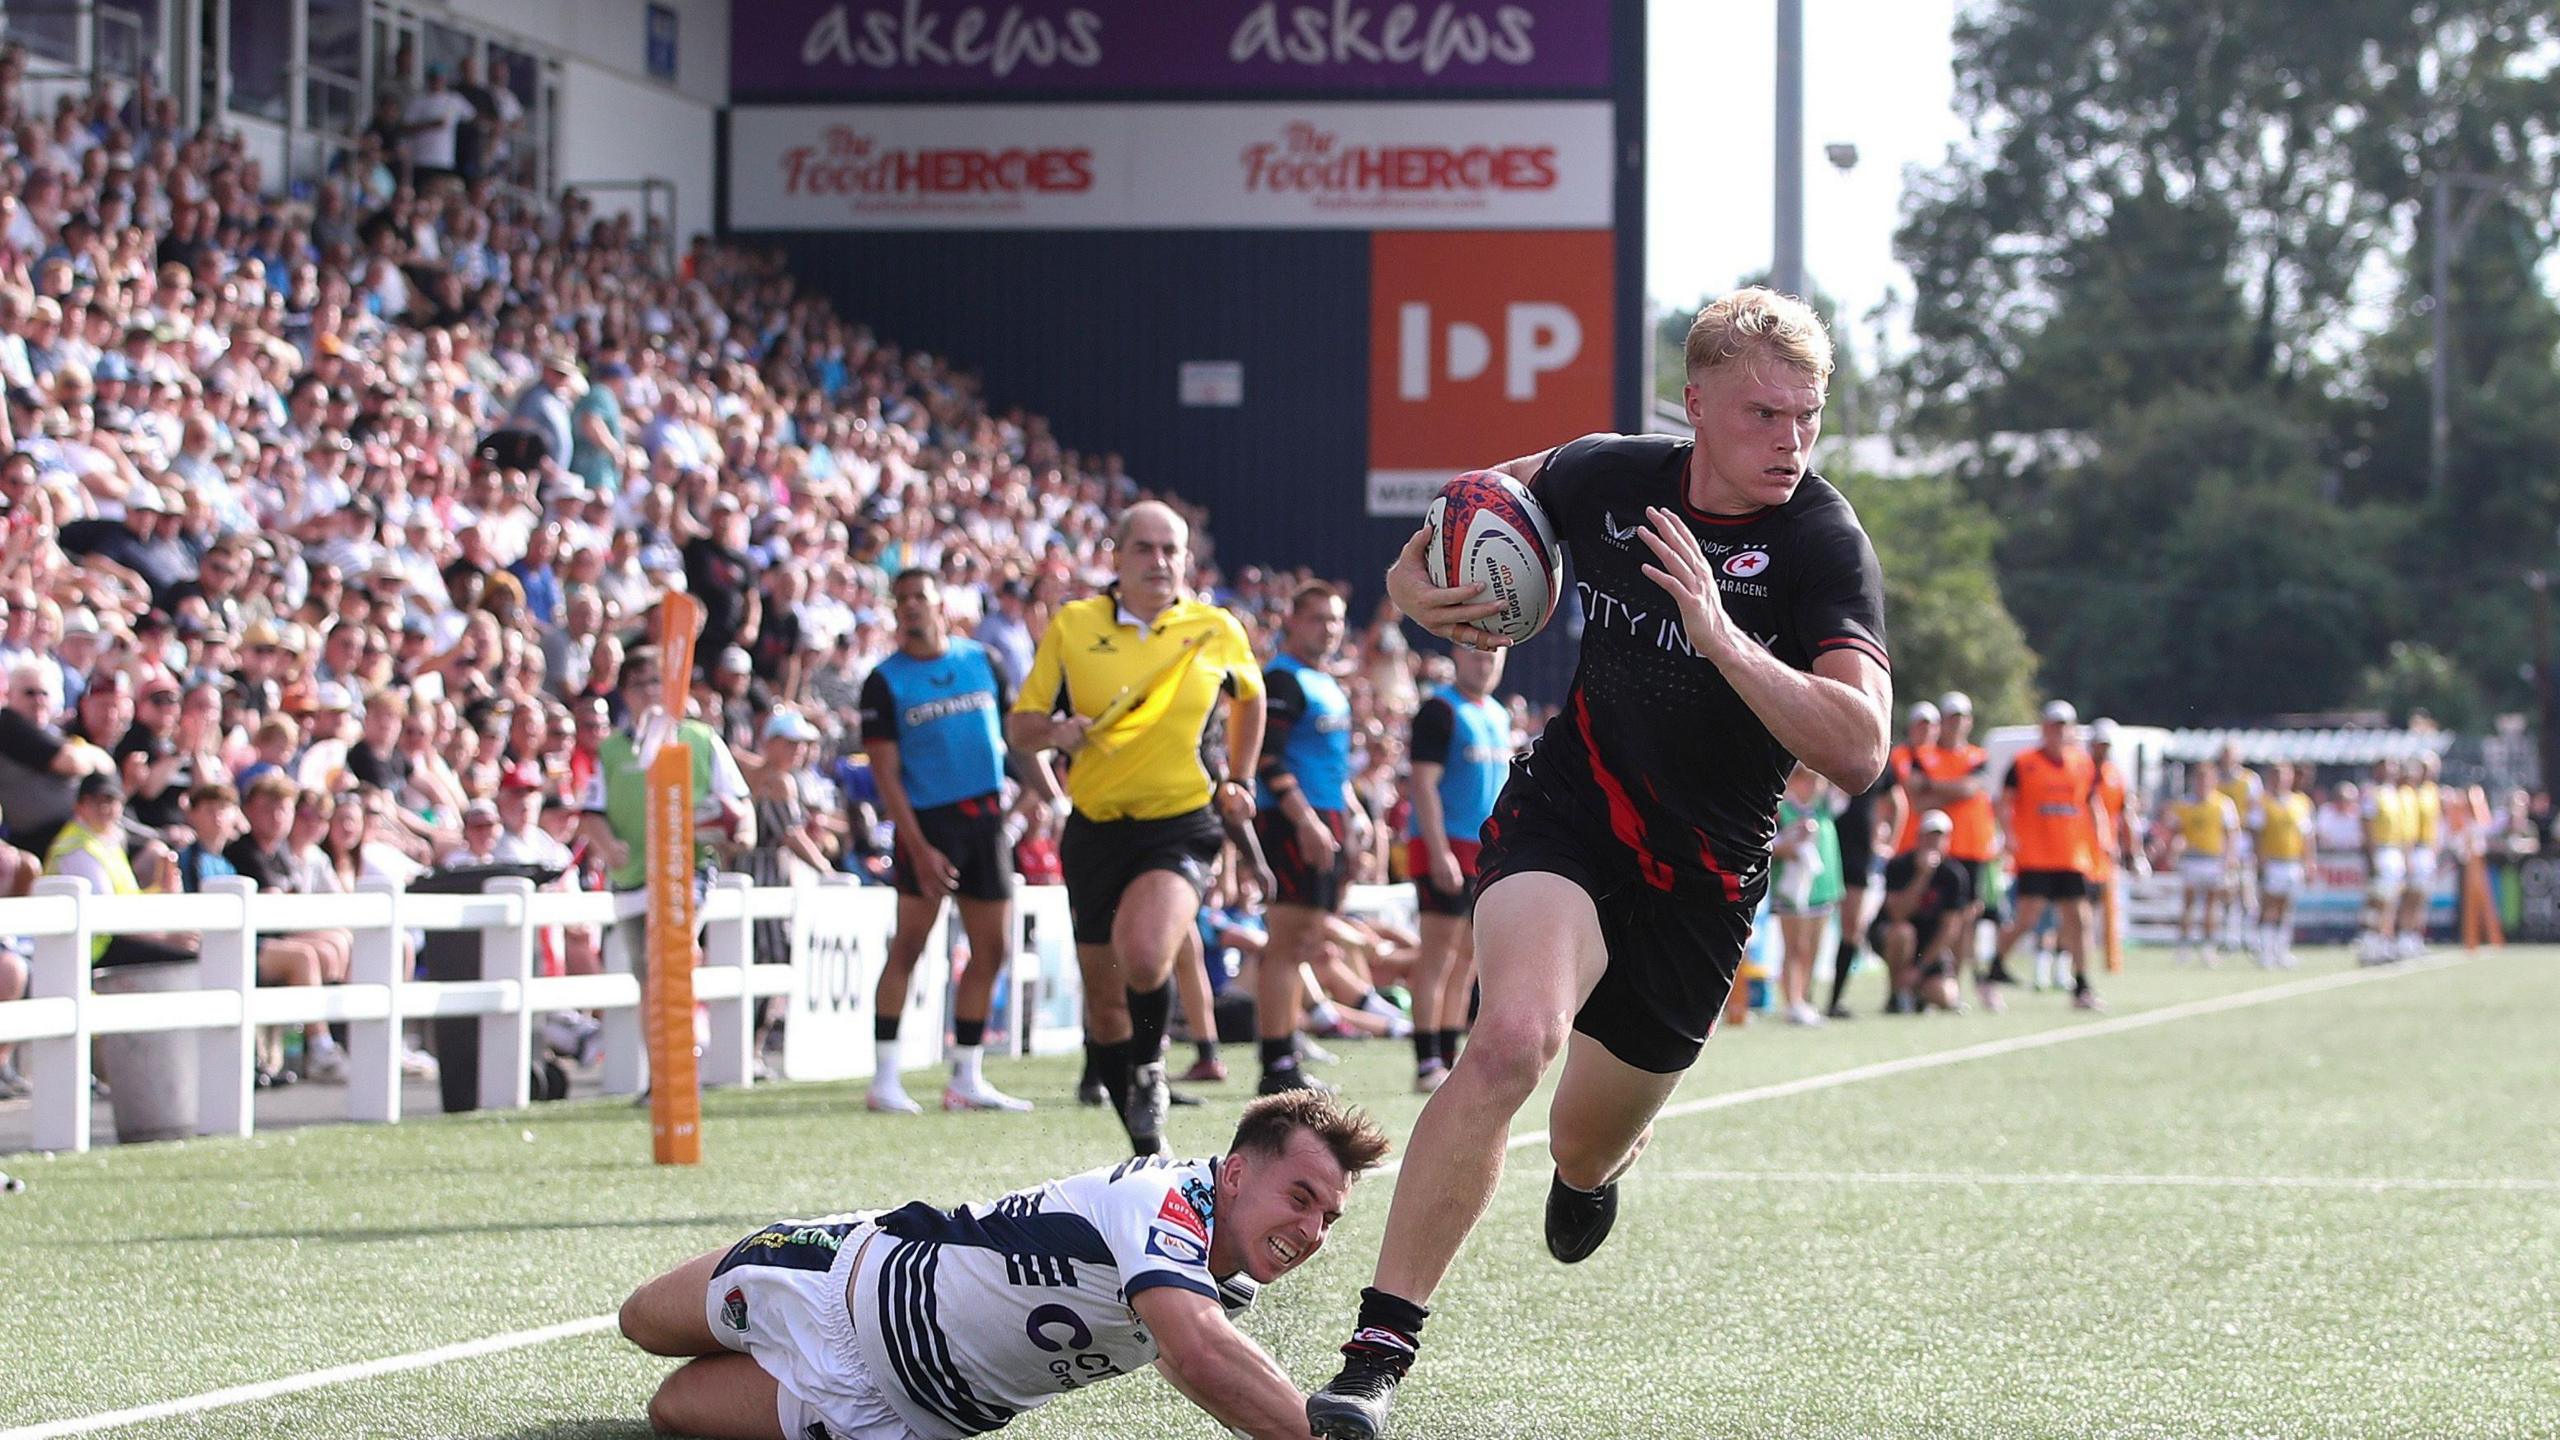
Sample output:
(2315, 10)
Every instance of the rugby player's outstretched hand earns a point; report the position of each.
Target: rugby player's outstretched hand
(1684, 572)
(1448, 611)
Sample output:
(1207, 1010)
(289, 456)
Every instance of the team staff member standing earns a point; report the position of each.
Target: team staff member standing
(2116, 845)
(1623, 863)
(930, 725)
(2050, 791)
(2422, 812)
(2285, 850)
(1124, 682)
(1902, 764)
(1461, 736)
(1955, 776)
(1309, 821)
(2201, 827)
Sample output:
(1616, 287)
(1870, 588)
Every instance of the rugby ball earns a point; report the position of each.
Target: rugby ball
(1489, 532)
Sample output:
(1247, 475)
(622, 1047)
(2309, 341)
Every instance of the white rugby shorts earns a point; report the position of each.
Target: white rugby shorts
(2422, 866)
(2203, 872)
(2390, 870)
(794, 1322)
(2283, 877)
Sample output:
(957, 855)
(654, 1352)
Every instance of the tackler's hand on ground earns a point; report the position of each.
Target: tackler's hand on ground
(1448, 611)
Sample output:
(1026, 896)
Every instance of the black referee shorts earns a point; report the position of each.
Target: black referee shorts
(970, 834)
(1101, 857)
(1672, 953)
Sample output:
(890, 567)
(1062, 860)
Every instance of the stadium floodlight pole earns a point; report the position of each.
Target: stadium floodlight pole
(1786, 268)
(2446, 234)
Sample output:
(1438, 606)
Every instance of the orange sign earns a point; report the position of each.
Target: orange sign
(1483, 346)
(675, 1083)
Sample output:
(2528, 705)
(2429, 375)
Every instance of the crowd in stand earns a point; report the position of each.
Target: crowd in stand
(330, 526)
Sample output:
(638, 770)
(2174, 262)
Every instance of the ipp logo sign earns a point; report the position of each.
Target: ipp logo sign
(1483, 346)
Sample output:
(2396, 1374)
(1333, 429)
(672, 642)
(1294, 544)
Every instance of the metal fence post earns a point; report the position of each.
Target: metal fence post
(374, 1046)
(506, 1038)
(60, 1066)
(728, 1058)
(226, 1058)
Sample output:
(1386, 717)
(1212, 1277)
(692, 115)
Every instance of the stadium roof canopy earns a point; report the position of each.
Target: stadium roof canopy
(2306, 747)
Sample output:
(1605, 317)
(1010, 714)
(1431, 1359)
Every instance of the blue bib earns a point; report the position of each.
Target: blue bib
(1318, 751)
(950, 728)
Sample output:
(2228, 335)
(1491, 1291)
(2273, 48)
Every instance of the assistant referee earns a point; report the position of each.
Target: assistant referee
(1125, 684)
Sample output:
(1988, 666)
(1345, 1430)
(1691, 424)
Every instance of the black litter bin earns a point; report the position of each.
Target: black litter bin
(455, 955)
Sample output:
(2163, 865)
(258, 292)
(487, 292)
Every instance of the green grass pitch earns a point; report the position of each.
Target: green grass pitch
(2332, 1214)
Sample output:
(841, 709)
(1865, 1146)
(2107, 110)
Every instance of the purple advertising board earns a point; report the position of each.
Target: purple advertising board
(856, 49)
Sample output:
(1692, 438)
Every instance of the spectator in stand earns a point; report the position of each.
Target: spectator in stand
(40, 766)
(432, 122)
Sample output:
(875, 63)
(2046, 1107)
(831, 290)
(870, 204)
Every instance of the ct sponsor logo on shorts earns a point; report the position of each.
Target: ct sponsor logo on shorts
(1175, 1246)
(733, 1309)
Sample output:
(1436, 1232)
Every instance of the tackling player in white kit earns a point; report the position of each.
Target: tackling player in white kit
(927, 1324)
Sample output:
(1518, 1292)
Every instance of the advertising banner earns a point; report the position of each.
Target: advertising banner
(839, 942)
(986, 49)
(1483, 347)
(1502, 166)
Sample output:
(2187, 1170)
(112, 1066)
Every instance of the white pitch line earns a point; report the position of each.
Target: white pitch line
(313, 1380)
(1856, 1074)
(2354, 1184)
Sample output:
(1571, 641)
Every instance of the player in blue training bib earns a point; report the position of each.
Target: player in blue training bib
(1461, 751)
(933, 725)
(921, 1323)
(1310, 823)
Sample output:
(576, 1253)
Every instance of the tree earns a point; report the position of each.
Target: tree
(2193, 572)
(1945, 619)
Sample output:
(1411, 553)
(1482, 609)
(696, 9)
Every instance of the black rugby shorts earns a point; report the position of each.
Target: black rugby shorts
(1672, 953)
(1297, 877)
(970, 834)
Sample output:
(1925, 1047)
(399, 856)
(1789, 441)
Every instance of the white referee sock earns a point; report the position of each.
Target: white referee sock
(884, 1067)
(965, 1072)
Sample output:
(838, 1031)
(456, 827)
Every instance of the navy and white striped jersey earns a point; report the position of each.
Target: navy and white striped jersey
(966, 1318)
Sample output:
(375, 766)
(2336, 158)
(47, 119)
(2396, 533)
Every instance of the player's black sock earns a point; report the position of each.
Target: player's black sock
(968, 1032)
(1280, 1054)
(1149, 1012)
(1426, 1047)
(1208, 1051)
(884, 1028)
(1390, 1327)
(1845, 957)
(1111, 1065)
(1449, 1044)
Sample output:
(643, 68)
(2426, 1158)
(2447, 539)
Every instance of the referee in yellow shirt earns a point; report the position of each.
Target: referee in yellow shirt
(1125, 683)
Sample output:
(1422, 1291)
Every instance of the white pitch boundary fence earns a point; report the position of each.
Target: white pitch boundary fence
(839, 940)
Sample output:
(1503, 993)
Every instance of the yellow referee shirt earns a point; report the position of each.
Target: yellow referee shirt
(1153, 686)
(2285, 820)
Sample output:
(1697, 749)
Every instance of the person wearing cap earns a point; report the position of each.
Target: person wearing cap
(1902, 764)
(77, 652)
(2050, 793)
(90, 845)
(1956, 777)
(1920, 926)
(932, 725)
(733, 678)
(138, 550)
(2116, 844)
(521, 838)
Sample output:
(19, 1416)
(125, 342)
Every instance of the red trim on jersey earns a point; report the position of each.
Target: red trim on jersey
(1852, 642)
(1731, 882)
(1624, 822)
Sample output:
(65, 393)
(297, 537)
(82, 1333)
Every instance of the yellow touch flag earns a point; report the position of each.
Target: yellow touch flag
(1137, 707)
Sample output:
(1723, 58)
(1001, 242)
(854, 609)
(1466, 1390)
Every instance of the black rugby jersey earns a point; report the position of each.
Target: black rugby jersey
(1653, 745)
